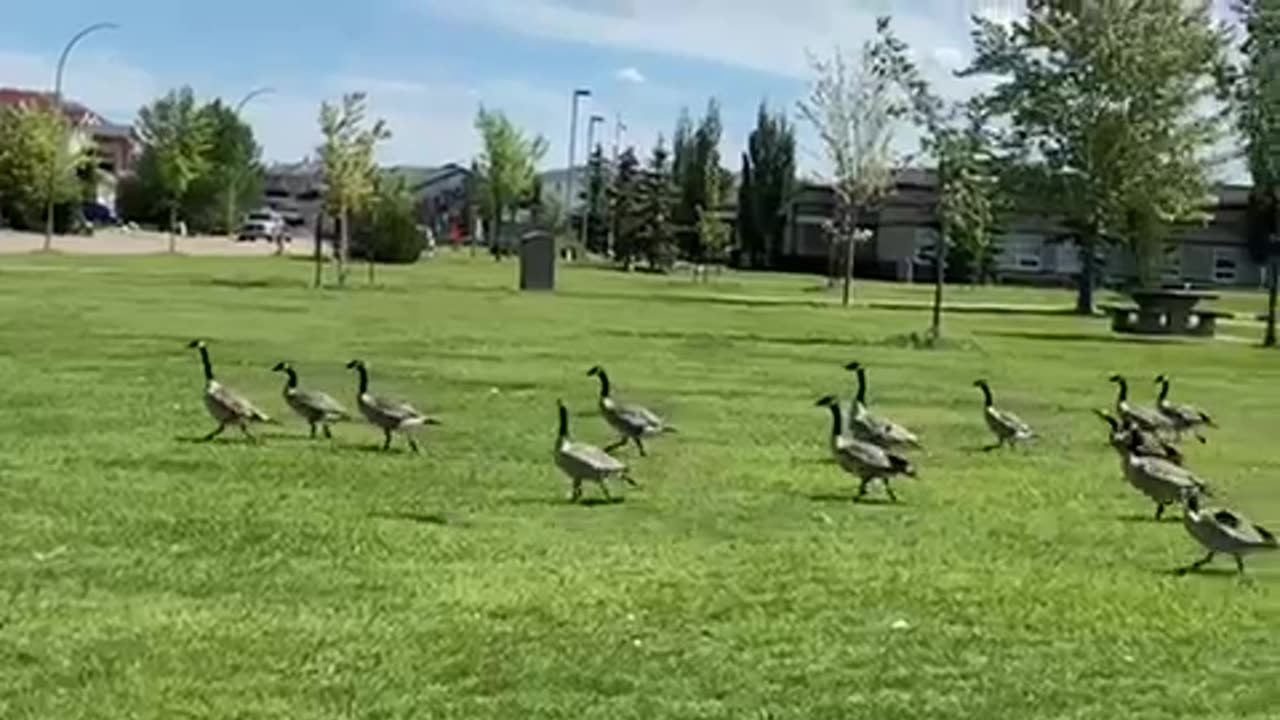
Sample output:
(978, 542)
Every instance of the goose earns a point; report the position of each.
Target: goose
(1183, 418)
(386, 414)
(872, 429)
(1220, 530)
(583, 462)
(317, 408)
(866, 461)
(226, 406)
(633, 422)
(1162, 481)
(1142, 418)
(1007, 427)
(1149, 445)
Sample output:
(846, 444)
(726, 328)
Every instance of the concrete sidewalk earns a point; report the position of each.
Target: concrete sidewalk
(144, 242)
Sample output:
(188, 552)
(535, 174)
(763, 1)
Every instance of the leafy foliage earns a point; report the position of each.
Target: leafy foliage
(627, 195)
(697, 174)
(386, 230)
(506, 168)
(36, 145)
(347, 153)
(768, 176)
(656, 235)
(177, 136)
(1256, 99)
(1104, 104)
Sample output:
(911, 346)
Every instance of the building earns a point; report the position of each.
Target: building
(295, 190)
(114, 146)
(442, 195)
(556, 182)
(1031, 250)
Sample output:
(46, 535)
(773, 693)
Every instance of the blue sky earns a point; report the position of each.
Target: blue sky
(427, 64)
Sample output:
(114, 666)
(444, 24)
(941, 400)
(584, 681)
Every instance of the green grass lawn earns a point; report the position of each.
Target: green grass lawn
(145, 576)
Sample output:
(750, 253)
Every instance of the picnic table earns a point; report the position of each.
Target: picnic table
(1165, 312)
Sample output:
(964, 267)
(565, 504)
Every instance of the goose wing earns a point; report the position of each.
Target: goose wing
(393, 409)
(1009, 423)
(1186, 414)
(1169, 473)
(1241, 529)
(862, 454)
(235, 403)
(893, 432)
(1143, 418)
(592, 457)
(320, 402)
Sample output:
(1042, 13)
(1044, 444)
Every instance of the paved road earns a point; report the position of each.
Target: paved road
(143, 242)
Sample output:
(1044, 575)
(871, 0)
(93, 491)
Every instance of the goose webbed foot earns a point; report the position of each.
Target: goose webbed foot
(313, 431)
(328, 435)
(989, 448)
(862, 491)
(889, 489)
(413, 444)
(216, 432)
(1199, 564)
(1159, 510)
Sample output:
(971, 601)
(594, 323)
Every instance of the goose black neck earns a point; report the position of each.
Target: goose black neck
(1164, 389)
(292, 382)
(862, 386)
(986, 394)
(836, 425)
(1124, 390)
(604, 383)
(364, 379)
(208, 366)
(564, 423)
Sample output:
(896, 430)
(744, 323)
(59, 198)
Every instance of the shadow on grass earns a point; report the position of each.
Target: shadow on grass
(852, 499)
(1081, 337)
(1149, 518)
(1217, 573)
(438, 519)
(688, 299)
(564, 501)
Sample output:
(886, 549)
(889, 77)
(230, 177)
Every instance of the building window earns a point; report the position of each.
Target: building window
(1224, 266)
(1022, 252)
(1172, 271)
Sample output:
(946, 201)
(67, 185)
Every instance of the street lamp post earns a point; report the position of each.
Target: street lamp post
(233, 182)
(57, 108)
(619, 128)
(586, 208)
(573, 142)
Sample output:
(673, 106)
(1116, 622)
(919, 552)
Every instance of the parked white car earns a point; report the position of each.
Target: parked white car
(263, 224)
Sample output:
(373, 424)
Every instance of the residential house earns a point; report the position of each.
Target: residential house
(114, 146)
(1031, 249)
(556, 182)
(441, 195)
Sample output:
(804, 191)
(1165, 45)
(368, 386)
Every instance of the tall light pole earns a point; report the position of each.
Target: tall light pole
(233, 182)
(586, 208)
(619, 128)
(573, 142)
(57, 109)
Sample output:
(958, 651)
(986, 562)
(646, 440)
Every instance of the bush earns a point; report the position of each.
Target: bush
(389, 228)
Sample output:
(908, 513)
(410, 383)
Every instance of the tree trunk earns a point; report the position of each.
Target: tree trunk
(344, 246)
(1273, 283)
(940, 269)
(231, 210)
(173, 227)
(851, 249)
(1084, 292)
(319, 256)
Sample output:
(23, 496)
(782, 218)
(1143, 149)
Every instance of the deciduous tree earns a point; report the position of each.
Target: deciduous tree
(347, 154)
(507, 166)
(1104, 101)
(35, 147)
(768, 175)
(1257, 101)
(177, 136)
(855, 106)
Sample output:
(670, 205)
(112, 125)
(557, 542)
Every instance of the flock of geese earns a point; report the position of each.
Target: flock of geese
(869, 447)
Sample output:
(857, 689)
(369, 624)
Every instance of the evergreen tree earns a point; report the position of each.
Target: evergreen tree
(625, 196)
(657, 241)
(597, 201)
(768, 176)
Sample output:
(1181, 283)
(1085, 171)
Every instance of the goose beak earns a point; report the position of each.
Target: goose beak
(1115, 378)
(354, 364)
(279, 366)
(594, 370)
(853, 365)
(195, 344)
(822, 402)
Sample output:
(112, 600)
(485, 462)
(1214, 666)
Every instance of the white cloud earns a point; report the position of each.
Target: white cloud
(631, 75)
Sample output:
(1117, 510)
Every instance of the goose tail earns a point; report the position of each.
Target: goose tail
(902, 465)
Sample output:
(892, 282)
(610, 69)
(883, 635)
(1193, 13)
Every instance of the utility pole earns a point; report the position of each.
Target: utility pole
(233, 182)
(618, 129)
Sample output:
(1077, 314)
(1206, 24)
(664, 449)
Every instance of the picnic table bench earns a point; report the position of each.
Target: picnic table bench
(1165, 312)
